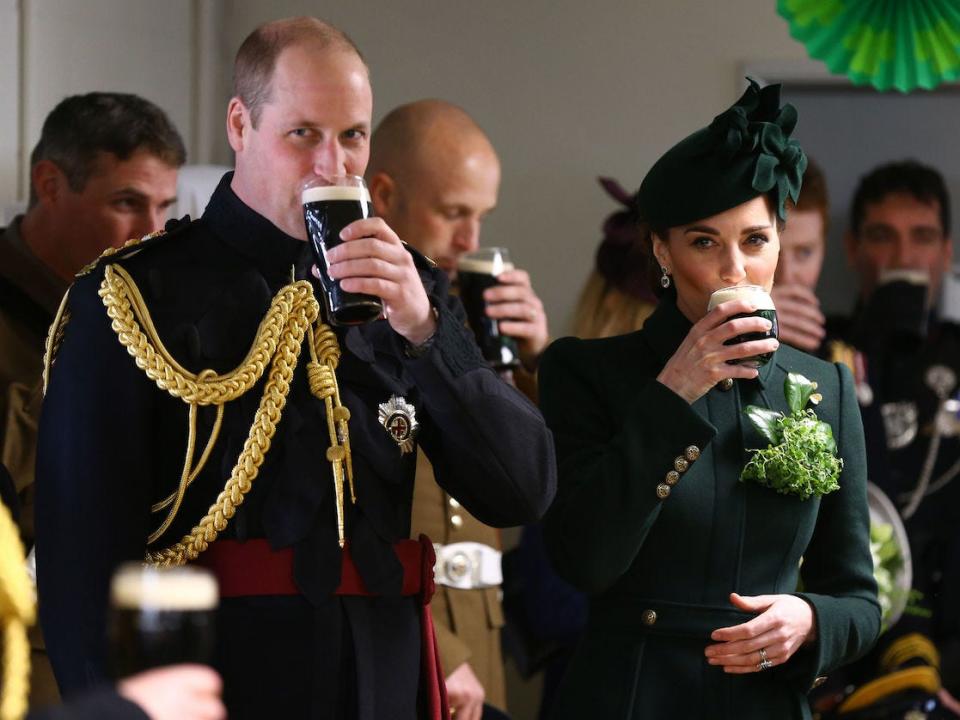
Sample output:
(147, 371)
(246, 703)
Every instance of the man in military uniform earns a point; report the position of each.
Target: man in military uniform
(434, 177)
(907, 367)
(245, 433)
(103, 171)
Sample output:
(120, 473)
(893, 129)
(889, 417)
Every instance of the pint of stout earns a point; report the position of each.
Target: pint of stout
(476, 272)
(327, 209)
(764, 303)
(899, 307)
(160, 616)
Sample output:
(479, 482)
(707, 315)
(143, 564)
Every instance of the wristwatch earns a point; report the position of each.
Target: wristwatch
(415, 351)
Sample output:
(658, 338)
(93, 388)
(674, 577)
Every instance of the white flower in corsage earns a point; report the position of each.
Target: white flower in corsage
(802, 456)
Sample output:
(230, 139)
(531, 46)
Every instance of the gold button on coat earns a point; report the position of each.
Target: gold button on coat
(679, 464)
(649, 617)
(454, 504)
(663, 490)
(673, 477)
(692, 453)
(456, 521)
(726, 383)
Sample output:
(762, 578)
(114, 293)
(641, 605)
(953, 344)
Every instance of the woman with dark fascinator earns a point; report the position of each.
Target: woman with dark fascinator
(700, 486)
(616, 298)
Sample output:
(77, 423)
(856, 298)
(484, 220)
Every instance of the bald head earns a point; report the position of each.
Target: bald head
(414, 136)
(433, 176)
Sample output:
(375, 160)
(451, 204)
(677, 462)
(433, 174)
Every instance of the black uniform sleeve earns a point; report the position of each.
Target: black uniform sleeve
(93, 486)
(97, 705)
(488, 444)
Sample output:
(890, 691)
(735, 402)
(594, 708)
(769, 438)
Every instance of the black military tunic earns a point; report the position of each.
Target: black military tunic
(112, 444)
(908, 377)
(101, 704)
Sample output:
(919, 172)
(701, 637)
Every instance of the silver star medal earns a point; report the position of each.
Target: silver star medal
(941, 380)
(399, 419)
(901, 423)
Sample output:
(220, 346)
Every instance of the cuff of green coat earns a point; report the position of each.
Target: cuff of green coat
(837, 642)
(672, 434)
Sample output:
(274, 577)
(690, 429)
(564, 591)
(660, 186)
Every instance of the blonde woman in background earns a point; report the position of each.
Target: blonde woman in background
(616, 298)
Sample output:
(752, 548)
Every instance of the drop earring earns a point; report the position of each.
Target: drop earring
(665, 279)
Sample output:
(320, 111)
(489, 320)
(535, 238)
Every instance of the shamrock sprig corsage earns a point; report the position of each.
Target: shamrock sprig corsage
(802, 456)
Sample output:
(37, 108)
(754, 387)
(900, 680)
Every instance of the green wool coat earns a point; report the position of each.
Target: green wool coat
(659, 570)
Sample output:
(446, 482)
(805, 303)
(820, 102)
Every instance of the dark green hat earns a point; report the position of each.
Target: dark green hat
(745, 152)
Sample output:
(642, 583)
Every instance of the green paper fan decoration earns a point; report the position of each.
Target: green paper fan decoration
(902, 44)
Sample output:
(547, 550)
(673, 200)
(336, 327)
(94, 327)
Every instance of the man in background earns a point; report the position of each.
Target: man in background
(103, 171)
(906, 365)
(802, 248)
(434, 177)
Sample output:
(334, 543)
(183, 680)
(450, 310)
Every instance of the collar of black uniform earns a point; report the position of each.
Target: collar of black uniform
(667, 327)
(250, 233)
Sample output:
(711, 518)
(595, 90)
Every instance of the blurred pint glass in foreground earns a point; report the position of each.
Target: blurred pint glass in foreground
(160, 616)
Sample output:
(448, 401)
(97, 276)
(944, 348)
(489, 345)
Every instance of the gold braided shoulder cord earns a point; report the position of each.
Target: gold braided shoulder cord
(60, 320)
(17, 610)
(277, 344)
(54, 338)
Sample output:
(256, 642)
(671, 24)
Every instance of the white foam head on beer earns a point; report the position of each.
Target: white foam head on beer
(320, 193)
(754, 294)
(137, 587)
(484, 266)
(908, 275)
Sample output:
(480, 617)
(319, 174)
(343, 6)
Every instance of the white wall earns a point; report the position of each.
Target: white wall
(566, 90)
(166, 52)
(10, 107)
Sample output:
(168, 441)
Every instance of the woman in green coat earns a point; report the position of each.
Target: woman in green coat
(693, 570)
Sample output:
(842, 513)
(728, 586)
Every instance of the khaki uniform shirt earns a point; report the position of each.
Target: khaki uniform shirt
(467, 622)
(29, 296)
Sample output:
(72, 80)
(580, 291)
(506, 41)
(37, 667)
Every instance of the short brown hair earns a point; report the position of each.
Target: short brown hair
(813, 194)
(922, 182)
(257, 57)
(81, 127)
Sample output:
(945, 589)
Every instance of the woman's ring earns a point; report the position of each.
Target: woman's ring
(764, 663)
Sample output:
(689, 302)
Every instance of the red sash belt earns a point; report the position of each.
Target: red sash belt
(254, 568)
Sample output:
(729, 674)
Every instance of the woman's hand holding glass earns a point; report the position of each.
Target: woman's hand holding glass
(784, 623)
(701, 361)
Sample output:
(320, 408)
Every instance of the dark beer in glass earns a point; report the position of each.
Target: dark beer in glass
(476, 272)
(160, 616)
(899, 307)
(761, 300)
(329, 205)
